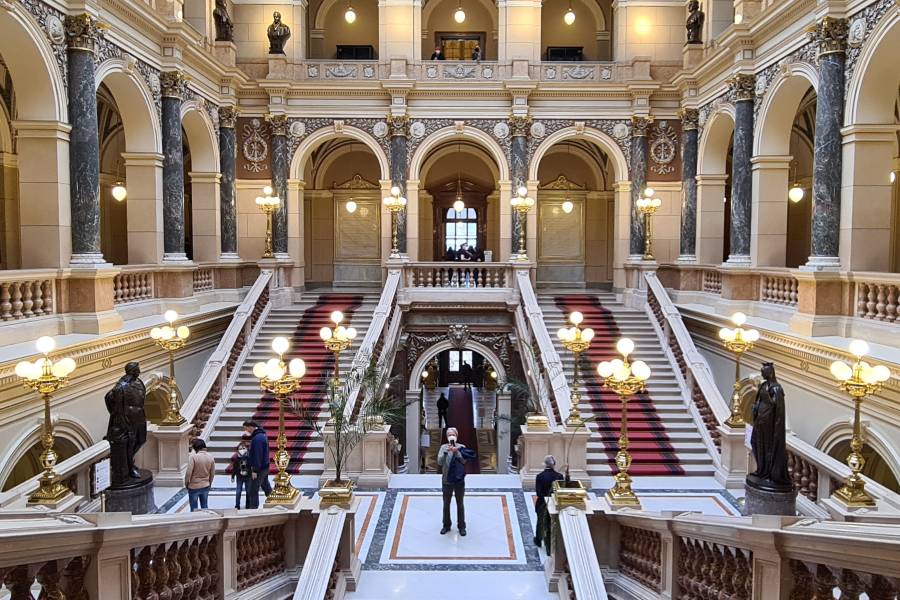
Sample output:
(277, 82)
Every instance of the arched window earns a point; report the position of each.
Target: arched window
(461, 227)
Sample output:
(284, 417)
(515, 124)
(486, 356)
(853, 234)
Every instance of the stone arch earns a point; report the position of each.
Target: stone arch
(713, 146)
(841, 431)
(779, 109)
(135, 103)
(872, 90)
(431, 5)
(432, 351)
(315, 139)
(605, 142)
(334, 156)
(450, 149)
(448, 134)
(65, 427)
(201, 137)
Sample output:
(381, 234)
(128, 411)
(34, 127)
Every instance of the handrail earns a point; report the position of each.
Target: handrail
(323, 561)
(244, 327)
(536, 376)
(581, 557)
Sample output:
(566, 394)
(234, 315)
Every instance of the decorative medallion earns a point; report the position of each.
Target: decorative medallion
(538, 129)
(857, 32)
(458, 335)
(620, 131)
(431, 72)
(55, 29)
(368, 72)
(487, 72)
(340, 72)
(501, 130)
(578, 72)
(459, 72)
(663, 147)
(255, 148)
(550, 73)
(761, 85)
(312, 71)
(605, 74)
(380, 129)
(298, 129)
(417, 129)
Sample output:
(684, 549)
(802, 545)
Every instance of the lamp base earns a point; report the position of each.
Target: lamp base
(621, 493)
(519, 257)
(282, 494)
(853, 493)
(51, 492)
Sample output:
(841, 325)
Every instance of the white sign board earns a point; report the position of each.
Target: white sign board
(748, 433)
(101, 475)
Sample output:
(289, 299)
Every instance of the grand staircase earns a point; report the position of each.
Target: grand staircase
(664, 437)
(300, 323)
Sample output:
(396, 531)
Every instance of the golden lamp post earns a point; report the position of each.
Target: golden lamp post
(269, 205)
(281, 379)
(522, 203)
(737, 341)
(625, 379)
(171, 338)
(337, 339)
(45, 376)
(576, 340)
(395, 203)
(859, 380)
(647, 205)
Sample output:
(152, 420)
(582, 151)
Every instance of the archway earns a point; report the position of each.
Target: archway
(333, 37)
(415, 375)
(588, 37)
(29, 464)
(714, 187)
(876, 468)
(22, 460)
(480, 27)
(201, 183)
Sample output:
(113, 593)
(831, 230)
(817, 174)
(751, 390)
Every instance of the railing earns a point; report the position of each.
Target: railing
(578, 71)
(573, 564)
(778, 289)
(712, 281)
(27, 294)
(134, 285)
(458, 275)
(331, 565)
(203, 279)
(203, 405)
(878, 300)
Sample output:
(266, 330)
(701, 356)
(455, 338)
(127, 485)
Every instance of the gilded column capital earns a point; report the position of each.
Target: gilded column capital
(227, 116)
(398, 125)
(640, 125)
(172, 84)
(743, 86)
(690, 118)
(518, 125)
(278, 124)
(82, 32)
(830, 34)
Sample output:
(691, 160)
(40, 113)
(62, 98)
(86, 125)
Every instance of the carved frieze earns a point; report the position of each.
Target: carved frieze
(417, 343)
(253, 155)
(663, 147)
(861, 25)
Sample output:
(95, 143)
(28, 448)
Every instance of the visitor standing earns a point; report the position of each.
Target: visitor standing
(466, 371)
(476, 53)
(438, 54)
(442, 405)
(259, 463)
(201, 471)
(543, 487)
(452, 463)
(240, 471)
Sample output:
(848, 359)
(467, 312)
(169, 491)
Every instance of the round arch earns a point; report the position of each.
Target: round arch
(40, 92)
(779, 109)
(448, 150)
(606, 143)
(872, 91)
(599, 177)
(713, 147)
(65, 427)
(135, 105)
(431, 352)
(334, 156)
(315, 139)
(841, 431)
(201, 137)
(431, 5)
(450, 133)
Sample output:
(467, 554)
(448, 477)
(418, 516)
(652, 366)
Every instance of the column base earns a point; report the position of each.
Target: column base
(738, 259)
(176, 257)
(687, 259)
(91, 259)
(229, 257)
(822, 263)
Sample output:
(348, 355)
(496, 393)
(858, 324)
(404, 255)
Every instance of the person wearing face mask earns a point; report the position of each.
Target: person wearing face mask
(452, 463)
(240, 471)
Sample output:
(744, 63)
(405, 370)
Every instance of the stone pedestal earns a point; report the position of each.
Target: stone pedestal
(693, 54)
(769, 502)
(166, 453)
(562, 443)
(366, 463)
(226, 52)
(278, 68)
(735, 460)
(135, 497)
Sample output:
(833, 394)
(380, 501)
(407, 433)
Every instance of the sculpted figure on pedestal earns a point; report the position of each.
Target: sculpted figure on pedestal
(224, 25)
(278, 33)
(768, 436)
(127, 429)
(694, 23)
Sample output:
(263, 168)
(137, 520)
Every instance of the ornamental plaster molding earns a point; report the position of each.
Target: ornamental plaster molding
(861, 25)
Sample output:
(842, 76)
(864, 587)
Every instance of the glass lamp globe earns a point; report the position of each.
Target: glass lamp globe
(859, 348)
(796, 193)
(641, 370)
(460, 15)
(625, 346)
(605, 369)
(119, 193)
(350, 206)
(280, 345)
(267, 190)
(350, 15)
(259, 370)
(297, 368)
(567, 206)
(325, 334)
(738, 318)
(171, 316)
(337, 316)
(587, 335)
(46, 344)
(569, 17)
(459, 205)
(576, 318)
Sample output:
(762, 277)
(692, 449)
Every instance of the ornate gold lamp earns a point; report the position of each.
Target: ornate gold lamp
(625, 379)
(522, 203)
(171, 338)
(647, 205)
(737, 341)
(281, 379)
(859, 380)
(268, 204)
(45, 376)
(576, 340)
(337, 339)
(395, 203)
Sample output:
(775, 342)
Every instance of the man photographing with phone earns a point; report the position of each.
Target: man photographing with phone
(452, 462)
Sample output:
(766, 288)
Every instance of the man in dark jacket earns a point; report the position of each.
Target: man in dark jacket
(442, 405)
(466, 371)
(543, 487)
(259, 463)
(451, 462)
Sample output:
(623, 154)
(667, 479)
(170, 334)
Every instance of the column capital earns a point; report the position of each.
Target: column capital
(690, 119)
(640, 125)
(398, 125)
(278, 124)
(743, 86)
(519, 125)
(830, 34)
(82, 32)
(173, 83)
(228, 116)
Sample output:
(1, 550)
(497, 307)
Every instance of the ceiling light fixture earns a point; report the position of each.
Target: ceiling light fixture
(350, 14)
(460, 15)
(569, 17)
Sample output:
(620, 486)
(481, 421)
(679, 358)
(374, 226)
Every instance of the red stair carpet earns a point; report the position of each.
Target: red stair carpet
(651, 451)
(461, 415)
(306, 344)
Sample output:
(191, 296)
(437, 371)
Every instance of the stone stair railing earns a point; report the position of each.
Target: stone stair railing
(457, 275)
(816, 475)
(332, 565)
(203, 405)
(572, 569)
(667, 555)
(28, 294)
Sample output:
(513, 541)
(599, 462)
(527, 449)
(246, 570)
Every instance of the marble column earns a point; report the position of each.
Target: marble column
(639, 130)
(227, 198)
(84, 142)
(688, 242)
(518, 168)
(281, 162)
(831, 36)
(172, 85)
(398, 125)
(743, 88)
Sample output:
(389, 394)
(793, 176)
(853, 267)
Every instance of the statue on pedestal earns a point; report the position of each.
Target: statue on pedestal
(694, 23)
(127, 428)
(278, 33)
(224, 25)
(768, 436)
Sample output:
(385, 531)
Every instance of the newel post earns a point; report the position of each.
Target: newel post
(670, 551)
(772, 578)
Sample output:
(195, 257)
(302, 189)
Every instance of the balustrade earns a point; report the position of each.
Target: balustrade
(182, 569)
(640, 556)
(458, 275)
(203, 280)
(877, 301)
(260, 555)
(712, 281)
(710, 570)
(132, 286)
(804, 475)
(779, 289)
(26, 298)
(811, 580)
(58, 578)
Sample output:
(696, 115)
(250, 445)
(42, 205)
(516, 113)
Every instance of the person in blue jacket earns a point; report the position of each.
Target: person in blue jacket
(259, 463)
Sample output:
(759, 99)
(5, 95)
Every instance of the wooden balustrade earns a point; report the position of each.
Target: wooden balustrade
(203, 280)
(710, 570)
(811, 580)
(57, 578)
(640, 556)
(779, 289)
(26, 298)
(804, 475)
(877, 301)
(710, 422)
(182, 569)
(712, 281)
(132, 286)
(458, 275)
(260, 555)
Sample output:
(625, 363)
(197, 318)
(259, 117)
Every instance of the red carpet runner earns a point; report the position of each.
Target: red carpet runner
(461, 416)
(306, 344)
(651, 451)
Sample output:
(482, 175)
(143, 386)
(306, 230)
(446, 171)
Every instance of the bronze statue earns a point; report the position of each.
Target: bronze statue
(278, 33)
(224, 25)
(768, 436)
(694, 24)
(127, 429)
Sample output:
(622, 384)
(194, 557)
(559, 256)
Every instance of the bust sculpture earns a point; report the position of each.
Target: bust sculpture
(224, 26)
(278, 33)
(694, 24)
(768, 436)
(127, 428)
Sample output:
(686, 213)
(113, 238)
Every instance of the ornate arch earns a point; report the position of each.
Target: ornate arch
(424, 150)
(779, 109)
(201, 137)
(870, 93)
(440, 153)
(431, 5)
(135, 104)
(842, 430)
(65, 426)
(601, 139)
(320, 136)
(713, 146)
(438, 347)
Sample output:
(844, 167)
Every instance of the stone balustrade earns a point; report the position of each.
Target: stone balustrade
(878, 300)
(27, 294)
(458, 275)
(203, 279)
(778, 289)
(133, 286)
(712, 281)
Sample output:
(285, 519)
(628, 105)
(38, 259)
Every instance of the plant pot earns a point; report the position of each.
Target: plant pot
(537, 422)
(571, 494)
(334, 493)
